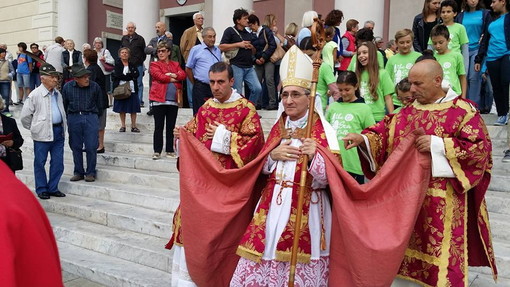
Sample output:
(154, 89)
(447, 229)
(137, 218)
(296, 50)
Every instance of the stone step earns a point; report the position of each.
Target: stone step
(500, 183)
(112, 214)
(140, 177)
(108, 270)
(502, 253)
(498, 202)
(500, 226)
(131, 246)
(479, 279)
(164, 200)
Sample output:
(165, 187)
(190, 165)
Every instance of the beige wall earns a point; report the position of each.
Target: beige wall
(294, 10)
(27, 21)
(402, 14)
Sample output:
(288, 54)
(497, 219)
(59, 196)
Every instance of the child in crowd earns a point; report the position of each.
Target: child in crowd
(330, 50)
(403, 92)
(350, 115)
(349, 43)
(451, 61)
(458, 41)
(399, 65)
(376, 86)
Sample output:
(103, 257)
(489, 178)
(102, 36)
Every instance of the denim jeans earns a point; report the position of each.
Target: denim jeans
(189, 92)
(83, 132)
(249, 77)
(474, 80)
(5, 92)
(35, 80)
(56, 150)
(141, 71)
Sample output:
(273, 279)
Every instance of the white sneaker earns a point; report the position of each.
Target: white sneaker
(156, 156)
(171, 155)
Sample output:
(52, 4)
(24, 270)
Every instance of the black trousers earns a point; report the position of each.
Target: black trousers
(201, 92)
(162, 113)
(499, 71)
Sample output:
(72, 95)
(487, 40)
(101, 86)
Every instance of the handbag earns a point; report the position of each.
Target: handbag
(122, 92)
(14, 159)
(178, 96)
(228, 55)
(107, 67)
(278, 53)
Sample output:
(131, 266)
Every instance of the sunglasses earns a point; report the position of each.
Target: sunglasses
(162, 51)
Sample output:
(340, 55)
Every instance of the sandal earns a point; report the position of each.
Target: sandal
(135, 130)
(122, 129)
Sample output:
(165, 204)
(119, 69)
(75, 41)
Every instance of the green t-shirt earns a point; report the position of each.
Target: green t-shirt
(458, 37)
(352, 65)
(349, 118)
(385, 87)
(326, 77)
(453, 67)
(327, 53)
(398, 68)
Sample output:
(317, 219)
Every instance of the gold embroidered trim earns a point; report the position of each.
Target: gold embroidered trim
(457, 169)
(413, 280)
(422, 256)
(432, 107)
(442, 275)
(436, 192)
(465, 237)
(485, 216)
(391, 134)
(227, 105)
(249, 254)
(284, 256)
(234, 149)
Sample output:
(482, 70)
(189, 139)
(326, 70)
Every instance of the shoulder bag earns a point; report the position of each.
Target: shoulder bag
(122, 92)
(232, 53)
(14, 159)
(107, 67)
(279, 52)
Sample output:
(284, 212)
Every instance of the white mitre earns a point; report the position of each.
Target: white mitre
(296, 69)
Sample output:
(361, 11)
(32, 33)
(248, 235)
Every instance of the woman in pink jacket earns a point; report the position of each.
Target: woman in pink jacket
(166, 94)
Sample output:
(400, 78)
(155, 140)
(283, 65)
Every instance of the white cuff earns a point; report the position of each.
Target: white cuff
(366, 154)
(440, 165)
(221, 140)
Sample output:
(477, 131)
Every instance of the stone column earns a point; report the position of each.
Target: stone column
(143, 15)
(72, 21)
(222, 11)
(362, 11)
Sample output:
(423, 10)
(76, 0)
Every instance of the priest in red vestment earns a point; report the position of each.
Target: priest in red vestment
(452, 230)
(228, 125)
(28, 251)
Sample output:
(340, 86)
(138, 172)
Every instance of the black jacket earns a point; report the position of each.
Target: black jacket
(420, 39)
(260, 43)
(9, 126)
(118, 74)
(136, 47)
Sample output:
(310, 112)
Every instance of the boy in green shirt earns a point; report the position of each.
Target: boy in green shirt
(451, 61)
(459, 41)
(351, 115)
(399, 65)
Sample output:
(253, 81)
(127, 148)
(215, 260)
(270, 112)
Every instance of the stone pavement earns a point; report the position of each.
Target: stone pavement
(112, 232)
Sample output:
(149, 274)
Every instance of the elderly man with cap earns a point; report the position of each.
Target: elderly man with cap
(82, 102)
(44, 115)
(265, 247)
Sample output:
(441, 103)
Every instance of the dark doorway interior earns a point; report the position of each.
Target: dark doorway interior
(179, 23)
(113, 46)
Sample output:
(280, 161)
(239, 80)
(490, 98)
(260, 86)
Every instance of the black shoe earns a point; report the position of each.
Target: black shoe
(272, 108)
(150, 113)
(58, 194)
(43, 195)
(77, 177)
(100, 150)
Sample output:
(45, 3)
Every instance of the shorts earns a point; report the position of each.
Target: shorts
(23, 80)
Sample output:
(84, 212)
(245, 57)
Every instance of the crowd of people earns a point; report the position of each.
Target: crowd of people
(431, 83)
